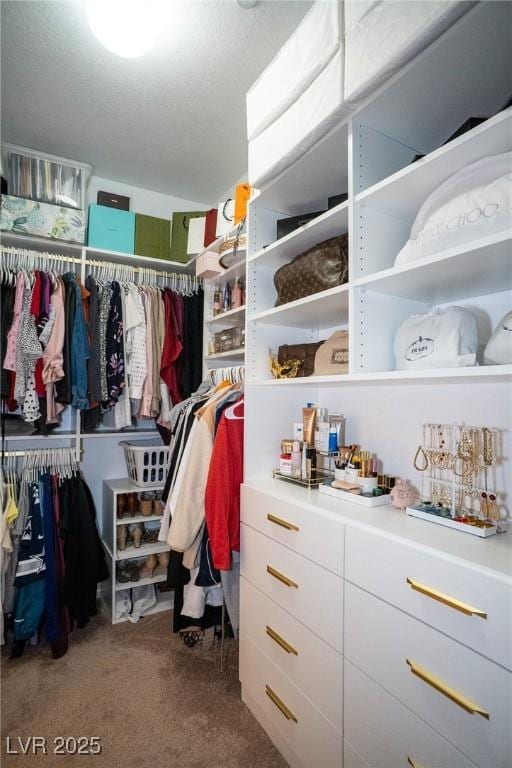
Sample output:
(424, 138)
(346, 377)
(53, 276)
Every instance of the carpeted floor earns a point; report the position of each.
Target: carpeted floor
(152, 702)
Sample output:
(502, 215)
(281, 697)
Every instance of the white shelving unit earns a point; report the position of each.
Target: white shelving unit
(311, 567)
(369, 157)
(112, 489)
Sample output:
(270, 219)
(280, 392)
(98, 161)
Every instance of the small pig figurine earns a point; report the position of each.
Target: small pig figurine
(403, 494)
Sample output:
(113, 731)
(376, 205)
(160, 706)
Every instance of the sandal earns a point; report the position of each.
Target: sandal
(191, 636)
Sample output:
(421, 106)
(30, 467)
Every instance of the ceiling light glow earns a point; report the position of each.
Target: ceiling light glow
(128, 28)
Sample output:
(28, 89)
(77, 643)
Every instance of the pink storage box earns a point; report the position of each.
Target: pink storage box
(207, 265)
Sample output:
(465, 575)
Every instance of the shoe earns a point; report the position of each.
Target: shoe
(149, 535)
(146, 507)
(158, 507)
(133, 504)
(121, 536)
(148, 568)
(163, 563)
(123, 572)
(134, 570)
(136, 534)
(121, 506)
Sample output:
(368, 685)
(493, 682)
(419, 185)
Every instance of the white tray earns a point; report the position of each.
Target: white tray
(364, 501)
(483, 533)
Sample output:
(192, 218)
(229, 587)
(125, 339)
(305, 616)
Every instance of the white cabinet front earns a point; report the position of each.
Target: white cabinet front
(467, 604)
(310, 593)
(462, 695)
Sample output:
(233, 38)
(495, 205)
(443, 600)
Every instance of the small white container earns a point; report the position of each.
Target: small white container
(352, 475)
(339, 474)
(367, 483)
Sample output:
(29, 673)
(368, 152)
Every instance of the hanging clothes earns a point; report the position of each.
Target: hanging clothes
(56, 556)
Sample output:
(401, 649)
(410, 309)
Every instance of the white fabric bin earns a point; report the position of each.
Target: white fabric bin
(297, 64)
(311, 117)
(381, 37)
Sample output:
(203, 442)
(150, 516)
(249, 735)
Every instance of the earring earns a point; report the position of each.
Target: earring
(420, 453)
(493, 512)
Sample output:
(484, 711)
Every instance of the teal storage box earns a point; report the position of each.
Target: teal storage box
(111, 229)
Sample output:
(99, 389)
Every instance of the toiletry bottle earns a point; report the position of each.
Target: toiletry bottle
(333, 439)
(296, 459)
(304, 466)
(236, 296)
(226, 298)
(216, 300)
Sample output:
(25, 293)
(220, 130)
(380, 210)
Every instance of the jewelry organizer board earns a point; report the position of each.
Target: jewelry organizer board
(370, 156)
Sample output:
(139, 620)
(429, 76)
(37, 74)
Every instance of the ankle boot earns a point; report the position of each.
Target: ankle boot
(148, 569)
(122, 535)
(121, 506)
(133, 504)
(136, 534)
(163, 563)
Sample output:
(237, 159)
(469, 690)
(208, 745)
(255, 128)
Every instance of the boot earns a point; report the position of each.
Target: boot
(122, 535)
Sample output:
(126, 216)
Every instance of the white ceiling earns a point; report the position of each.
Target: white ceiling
(172, 121)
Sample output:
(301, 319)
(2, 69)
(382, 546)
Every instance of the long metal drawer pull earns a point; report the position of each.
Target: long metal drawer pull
(414, 763)
(450, 693)
(274, 698)
(452, 602)
(281, 577)
(282, 523)
(281, 641)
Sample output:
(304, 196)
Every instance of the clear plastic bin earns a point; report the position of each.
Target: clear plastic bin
(46, 178)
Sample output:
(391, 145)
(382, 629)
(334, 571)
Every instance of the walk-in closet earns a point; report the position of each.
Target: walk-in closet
(255, 383)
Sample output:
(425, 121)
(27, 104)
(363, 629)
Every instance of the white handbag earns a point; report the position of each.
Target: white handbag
(498, 350)
(195, 242)
(442, 338)
(475, 202)
(225, 217)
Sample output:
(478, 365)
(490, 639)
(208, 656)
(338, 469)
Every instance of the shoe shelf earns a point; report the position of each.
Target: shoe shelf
(112, 489)
(141, 582)
(126, 520)
(131, 553)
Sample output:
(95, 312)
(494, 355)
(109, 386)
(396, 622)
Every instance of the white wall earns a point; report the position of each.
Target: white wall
(144, 200)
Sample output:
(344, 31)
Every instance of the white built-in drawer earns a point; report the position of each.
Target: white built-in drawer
(311, 534)
(312, 665)
(432, 588)
(352, 758)
(307, 591)
(310, 736)
(462, 695)
(388, 735)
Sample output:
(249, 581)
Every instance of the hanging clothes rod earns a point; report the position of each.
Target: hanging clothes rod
(62, 258)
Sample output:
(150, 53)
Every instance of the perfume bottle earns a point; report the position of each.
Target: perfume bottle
(216, 300)
(236, 297)
(226, 298)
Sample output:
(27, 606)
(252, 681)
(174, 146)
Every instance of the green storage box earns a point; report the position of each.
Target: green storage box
(179, 238)
(152, 237)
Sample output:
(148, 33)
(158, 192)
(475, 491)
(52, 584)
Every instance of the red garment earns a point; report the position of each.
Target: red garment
(222, 495)
(35, 309)
(173, 344)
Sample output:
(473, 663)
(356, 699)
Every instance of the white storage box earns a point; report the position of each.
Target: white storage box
(146, 462)
(207, 265)
(312, 116)
(301, 59)
(381, 37)
(46, 178)
(195, 243)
